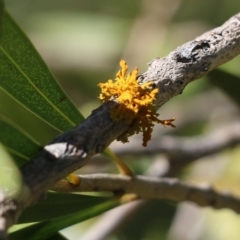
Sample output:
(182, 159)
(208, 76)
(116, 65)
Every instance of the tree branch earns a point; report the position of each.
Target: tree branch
(171, 74)
(154, 188)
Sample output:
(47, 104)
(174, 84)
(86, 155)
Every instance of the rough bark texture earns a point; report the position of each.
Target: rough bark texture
(193, 60)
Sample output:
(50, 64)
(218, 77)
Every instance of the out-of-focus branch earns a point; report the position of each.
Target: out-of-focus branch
(187, 147)
(154, 188)
(226, 137)
(170, 75)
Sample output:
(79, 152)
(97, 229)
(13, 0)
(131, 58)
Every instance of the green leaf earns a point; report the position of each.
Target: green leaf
(227, 82)
(58, 205)
(10, 177)
(17, 142)
(25, 77)
(46, 229)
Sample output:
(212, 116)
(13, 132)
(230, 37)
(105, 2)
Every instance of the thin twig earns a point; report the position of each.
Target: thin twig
(154, 188)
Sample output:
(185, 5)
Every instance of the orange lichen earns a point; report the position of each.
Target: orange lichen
(135, 103)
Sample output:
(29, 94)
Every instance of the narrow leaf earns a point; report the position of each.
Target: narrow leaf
(16, 141)
(26, 78)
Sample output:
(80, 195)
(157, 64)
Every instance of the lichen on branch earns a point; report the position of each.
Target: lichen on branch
(136, 103)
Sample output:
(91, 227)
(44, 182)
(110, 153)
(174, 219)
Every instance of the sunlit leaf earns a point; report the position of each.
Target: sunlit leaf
(10, 177)
(26, 78)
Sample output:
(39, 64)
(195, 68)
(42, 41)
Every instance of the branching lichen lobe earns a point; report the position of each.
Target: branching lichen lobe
(135, 103)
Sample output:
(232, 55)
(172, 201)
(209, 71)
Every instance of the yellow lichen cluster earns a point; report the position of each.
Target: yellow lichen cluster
(135, 103)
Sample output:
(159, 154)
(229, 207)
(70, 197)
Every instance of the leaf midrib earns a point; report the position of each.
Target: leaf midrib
(41, 94)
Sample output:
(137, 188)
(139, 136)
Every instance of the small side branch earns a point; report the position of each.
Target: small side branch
(154, 188)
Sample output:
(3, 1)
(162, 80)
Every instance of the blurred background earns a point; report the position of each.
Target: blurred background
(82, 43)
